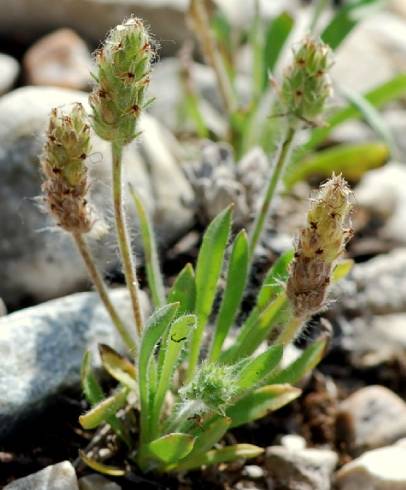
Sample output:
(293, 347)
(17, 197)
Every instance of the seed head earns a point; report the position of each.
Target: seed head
(318, 247)
(306, 85)
(213, 387)
(63, 163)
(122, 77)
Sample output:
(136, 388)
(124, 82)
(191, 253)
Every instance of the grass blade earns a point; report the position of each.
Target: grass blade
(154, 275)
(208, 270)
(233, 292)
(90, 386)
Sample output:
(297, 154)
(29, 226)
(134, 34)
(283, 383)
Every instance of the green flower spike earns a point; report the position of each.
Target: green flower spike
(212, 388)
(306, 86)
(318, 247)
(123, 69)
(63, 165)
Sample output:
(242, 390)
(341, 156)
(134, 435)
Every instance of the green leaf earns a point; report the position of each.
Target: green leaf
(257, 369)
(184, 290)
(372, 117)
(172, 447)
(350, 160)
(347, 17)
(259, 329)
(223, 455)
(179, 333)
(273, 283)
(104, 410)
(90, 386)
(118, 367)
(211, 433)
(261, 402)
(154, 275)
(308, 360)
(271, 287)
(233, 292)
(153, 332)
(342, 269)
(379, 96)
(208, 270)
(277, 34)
(100, 467)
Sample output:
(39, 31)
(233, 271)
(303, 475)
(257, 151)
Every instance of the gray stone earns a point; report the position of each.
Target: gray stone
(36, 259)
(41, 350)
(373, 340)
(373, 53)
(382, 193)
(60, 476)
(92, 19)
(9, 70)
(302, 469)
(97, 482)
(371, 417)
(59, 59)
(380, 469)
(375, 287)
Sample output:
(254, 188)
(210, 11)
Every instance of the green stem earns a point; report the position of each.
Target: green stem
(281, 160)
(123, 237)
(290, 331)
(102, 290)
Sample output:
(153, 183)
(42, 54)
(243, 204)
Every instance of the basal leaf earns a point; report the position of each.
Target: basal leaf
(100, 467)
(260, 402)
(118, 367)
(101, 412)
(172, 447)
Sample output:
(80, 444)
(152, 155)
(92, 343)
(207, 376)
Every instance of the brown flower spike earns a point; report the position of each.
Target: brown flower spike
(63, 165)
(318, 247)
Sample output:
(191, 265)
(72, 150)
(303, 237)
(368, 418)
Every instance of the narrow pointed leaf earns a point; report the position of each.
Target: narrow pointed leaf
(307, 361)
(154, 330)
(154, 275)
(118, 366)
(260, 402)
(104, 410)
(224, 455)
(172, 447)
(91, 387)
(277, 34)
(184, 290)
(274, 280)
(100, 467)
(233, 292)
(179, 333)
(352, 160)
(208, 270)
(257, 369)
(211, 433)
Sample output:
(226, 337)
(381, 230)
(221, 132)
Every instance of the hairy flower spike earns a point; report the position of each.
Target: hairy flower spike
(318, 247)
(306, 85)
(212, 388)
(123, 68)
(63, 164)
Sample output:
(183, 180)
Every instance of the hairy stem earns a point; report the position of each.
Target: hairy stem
(201, 25)
(281, 160)
(289, 332)
(102, 289)
(123, 237)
